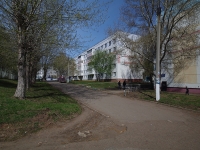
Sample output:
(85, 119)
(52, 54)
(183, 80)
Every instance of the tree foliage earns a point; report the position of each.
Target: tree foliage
(102, 63)
(42, 27)
(64, 65)
(7, 52)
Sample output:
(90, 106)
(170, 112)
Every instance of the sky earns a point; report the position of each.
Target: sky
(91, 37)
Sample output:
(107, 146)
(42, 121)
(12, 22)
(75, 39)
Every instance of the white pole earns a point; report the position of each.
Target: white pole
(68, 70)
(158, 56)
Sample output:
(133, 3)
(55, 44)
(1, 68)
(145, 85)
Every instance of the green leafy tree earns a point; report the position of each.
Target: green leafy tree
(31, 22)
(102, 63)
(64, 65)
(8, 56)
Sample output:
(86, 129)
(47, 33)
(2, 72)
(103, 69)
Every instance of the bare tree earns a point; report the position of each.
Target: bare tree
(177, 38)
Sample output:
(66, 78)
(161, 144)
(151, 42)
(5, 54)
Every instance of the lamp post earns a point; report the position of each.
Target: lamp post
(158, 55)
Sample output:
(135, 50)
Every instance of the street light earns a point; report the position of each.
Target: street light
(158, 55)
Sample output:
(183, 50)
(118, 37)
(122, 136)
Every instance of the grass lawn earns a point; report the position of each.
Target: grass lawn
(42, 106)
(97, 85)
(191, 101)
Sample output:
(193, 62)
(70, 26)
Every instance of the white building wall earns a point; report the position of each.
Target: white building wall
(110, 44)
(7, 74)
(51, 73)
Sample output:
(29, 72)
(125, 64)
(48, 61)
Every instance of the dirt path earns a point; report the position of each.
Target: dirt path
(116, 123)
(89, 126)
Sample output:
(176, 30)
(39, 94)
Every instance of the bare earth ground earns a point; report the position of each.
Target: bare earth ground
(88, 126)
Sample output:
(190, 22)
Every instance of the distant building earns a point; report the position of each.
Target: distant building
(121, 70)
(51, 74)
(7, 74)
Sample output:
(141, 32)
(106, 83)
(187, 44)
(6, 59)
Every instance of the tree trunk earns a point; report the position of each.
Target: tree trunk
(151, 82)
(45, 73)
(20, 91)
(33, 70)
(30, 74)
(98, 77)
(21, 36)
(28, 71)
(34, 73)
(27, 74)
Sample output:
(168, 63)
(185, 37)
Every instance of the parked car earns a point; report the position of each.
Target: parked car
(48, 79)
(62, 79)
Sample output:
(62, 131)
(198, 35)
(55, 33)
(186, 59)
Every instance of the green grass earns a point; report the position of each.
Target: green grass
(191, 101)
(43, 106)
(188, 101)
(39, 98)
(96, 84)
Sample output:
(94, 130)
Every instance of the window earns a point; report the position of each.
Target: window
(114, 49)
(123, 53)
(114, 41)
(114, 74)
(105, 45)
(109, 50)
(89, 51)
(109, 43)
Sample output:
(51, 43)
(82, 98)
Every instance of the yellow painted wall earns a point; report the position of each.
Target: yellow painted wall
(188, 75)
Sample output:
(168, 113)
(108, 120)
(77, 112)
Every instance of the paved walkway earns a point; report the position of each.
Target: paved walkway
(149, 125)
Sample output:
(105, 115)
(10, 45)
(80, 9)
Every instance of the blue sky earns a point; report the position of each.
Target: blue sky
(90, 37)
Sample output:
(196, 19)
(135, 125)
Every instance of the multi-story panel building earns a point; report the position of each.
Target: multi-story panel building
(190, 74)
(111, 44)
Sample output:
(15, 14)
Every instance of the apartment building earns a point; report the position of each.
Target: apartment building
(111, 44)
(50, 75)
(190, 75)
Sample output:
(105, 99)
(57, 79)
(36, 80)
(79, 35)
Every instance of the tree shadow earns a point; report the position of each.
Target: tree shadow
(8, 83)
(147, 95)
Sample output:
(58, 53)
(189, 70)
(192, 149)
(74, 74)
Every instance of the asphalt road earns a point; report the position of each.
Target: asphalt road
(149, 126)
